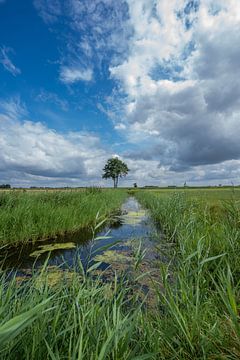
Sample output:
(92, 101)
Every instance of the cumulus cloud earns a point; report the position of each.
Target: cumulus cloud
(176, 65)
(7, 62)
(32, 153)
(180, 81)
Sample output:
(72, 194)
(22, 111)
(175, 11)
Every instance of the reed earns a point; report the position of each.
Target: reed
(29, 216)
(200, 304)
(78, 316)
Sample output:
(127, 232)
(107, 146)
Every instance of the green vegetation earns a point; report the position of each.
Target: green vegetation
(212, 195)
(30, 215)
(196, 316)
(201, 299)
(75, 318)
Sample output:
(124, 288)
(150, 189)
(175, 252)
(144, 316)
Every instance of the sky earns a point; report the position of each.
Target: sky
(154, 82)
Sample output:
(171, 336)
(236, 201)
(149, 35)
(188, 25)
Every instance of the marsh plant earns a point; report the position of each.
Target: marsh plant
(197, 310)
(31, 216)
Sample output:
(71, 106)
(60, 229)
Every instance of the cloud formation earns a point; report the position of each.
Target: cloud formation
(50, 97)
(7, 62)
(169, 71)
(93, 33)
(70, 75)
(180, 81)
(49, 10)
(30, 152)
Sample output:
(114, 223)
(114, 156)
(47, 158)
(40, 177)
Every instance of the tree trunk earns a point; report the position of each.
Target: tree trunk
(115, 182)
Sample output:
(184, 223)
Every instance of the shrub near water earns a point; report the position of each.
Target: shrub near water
(34, 215)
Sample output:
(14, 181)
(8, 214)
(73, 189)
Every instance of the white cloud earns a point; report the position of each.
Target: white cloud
(177, 68)
(120, 126)
(70, 75)
(93, 34)
(180, 80)
(159, 36)
(32, 153)
(13, 108)
(46, 96)
(7, 62)
(49, 10)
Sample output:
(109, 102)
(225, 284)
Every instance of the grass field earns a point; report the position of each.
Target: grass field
(32, 215)
(198, 299)
(205, 194)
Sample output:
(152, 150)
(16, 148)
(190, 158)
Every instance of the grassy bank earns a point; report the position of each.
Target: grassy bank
(28, 216)
(201, 303)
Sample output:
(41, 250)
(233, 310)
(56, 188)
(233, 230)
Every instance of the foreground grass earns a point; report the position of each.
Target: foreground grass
(197, 314)
(77, 319)
(33, 215)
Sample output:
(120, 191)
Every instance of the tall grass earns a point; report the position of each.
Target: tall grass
(201, 300)
(196, 316)
(77, 319)
(28, 216)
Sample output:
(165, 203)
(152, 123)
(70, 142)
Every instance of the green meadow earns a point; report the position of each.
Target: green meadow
(205, 194)
(74, 315)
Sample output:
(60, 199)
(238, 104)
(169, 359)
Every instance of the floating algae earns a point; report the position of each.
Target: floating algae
(112, 256)
(133, 217)
(53, 277)
(50, 276)
(47, 248)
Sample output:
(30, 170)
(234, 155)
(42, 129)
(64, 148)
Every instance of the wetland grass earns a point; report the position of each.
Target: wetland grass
(201, 302)
(197, 313)
(29, 216)
(73, 318)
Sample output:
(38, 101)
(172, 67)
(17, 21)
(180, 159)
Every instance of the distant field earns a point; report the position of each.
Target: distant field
(212, 195)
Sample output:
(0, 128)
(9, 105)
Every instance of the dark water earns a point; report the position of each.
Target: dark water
(130, 229)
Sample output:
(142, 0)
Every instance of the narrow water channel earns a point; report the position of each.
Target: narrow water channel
(132, 237)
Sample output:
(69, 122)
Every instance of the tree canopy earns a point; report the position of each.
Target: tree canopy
(115, 169)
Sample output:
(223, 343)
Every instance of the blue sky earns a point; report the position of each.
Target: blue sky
(37, 51)
(152, 81)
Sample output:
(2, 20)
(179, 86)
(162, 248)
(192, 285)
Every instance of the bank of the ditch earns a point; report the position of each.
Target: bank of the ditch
(198, 310)
(201, 306)
(30, 216)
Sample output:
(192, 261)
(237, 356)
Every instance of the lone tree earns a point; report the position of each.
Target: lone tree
(115, 169)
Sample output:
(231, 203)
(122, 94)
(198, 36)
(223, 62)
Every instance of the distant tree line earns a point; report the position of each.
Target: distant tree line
(5, 186)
